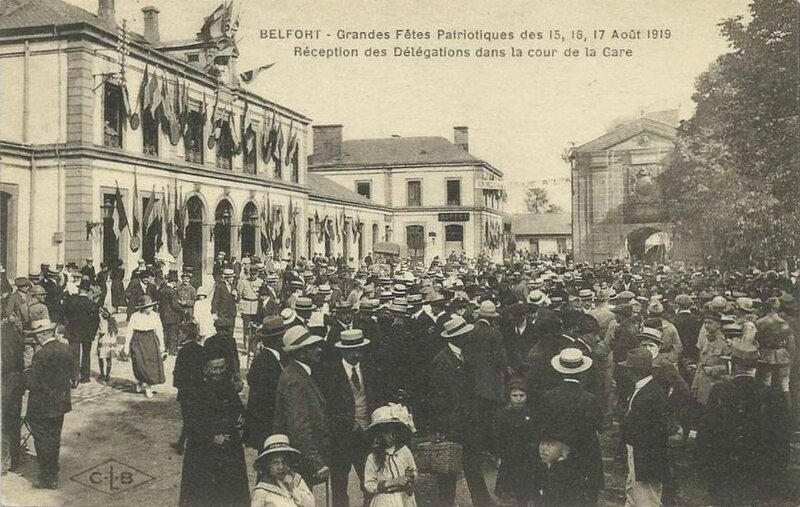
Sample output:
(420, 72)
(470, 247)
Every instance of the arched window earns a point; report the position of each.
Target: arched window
(415, 241)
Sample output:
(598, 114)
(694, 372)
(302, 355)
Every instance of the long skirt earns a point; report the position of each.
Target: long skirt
(118, 297)
(214, 475)
(146, 357)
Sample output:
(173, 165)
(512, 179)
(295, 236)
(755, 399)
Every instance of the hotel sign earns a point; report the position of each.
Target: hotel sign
(454, 217)
(489, 184)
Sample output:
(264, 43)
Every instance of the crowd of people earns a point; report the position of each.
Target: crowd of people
(524, 362)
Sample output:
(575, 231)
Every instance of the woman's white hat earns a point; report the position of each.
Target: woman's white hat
(275, 444)
(570, 361)
(392, 413)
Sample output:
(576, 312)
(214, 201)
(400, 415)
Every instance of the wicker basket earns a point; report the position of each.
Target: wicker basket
(443, 458)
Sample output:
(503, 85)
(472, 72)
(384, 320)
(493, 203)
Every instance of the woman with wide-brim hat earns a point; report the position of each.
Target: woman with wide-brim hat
(278, 484)
(146, 346)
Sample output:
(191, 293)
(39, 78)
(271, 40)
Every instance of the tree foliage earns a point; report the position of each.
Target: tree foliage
(537, 201)
(733, 182)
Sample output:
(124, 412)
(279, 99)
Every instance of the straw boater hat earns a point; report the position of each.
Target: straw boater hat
(275, 444)
(298, 337)
(352, 339)
(304, 304)
(40, 326)
(228, 273)
(570, 361)
(487, 310)
(651, 334)
(586, 294)
(456, 326)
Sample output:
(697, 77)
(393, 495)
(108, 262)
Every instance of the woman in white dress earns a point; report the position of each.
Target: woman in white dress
(147, 346)
(278, 485)
(390, 470)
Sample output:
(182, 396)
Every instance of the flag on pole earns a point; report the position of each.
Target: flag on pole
(144, 96)
(135, 241)
(154, 93)
(214, 25)
(249, 76)
(120, 207)
(178, 220)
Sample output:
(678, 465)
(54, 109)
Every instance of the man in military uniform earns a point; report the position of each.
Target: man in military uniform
(36, 310)
(54, 292)
(743, 442)
(15, 309)
(186, 295)
(247, 296)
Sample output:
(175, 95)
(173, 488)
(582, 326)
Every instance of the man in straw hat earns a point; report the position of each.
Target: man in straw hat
(300, 410)
(645, 432)
(743, 443)
(48, 381)
(223, 302)
(452, 404)
(352, 390)
(278, 484)
(262, 377)
(572, 416)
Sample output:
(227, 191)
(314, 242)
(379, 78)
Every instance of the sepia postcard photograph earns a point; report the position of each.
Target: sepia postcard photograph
(400, 253)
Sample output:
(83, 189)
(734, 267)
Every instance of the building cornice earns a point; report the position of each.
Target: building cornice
(334, 167)
(152, 55)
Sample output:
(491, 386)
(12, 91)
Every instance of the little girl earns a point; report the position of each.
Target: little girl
(109, 344)
(516, 434)
(390, 470)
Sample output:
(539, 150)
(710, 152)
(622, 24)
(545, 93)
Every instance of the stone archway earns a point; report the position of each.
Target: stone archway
(635, 242)
(248, 229)
(223, 217)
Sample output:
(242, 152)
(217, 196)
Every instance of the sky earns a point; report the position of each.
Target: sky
(521, 112)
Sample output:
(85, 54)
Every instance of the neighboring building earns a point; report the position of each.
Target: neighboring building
(543, 233)
(616, 201)
(69, 87)
(443, 199)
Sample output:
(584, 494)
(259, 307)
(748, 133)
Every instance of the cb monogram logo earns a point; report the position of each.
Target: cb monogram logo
(112, 477)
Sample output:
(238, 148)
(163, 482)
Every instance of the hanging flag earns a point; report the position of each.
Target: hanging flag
(154, 93)
(214, 25)
(144, 95)
(277, 148)
(290, 145)
(122, 217)
(265, 147)
(178, 220)
(236, 134)
(147, 216)
(135, 241)
(134, 122)
(249, 76)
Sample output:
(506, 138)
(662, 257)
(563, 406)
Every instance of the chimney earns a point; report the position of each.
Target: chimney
(105, 11)
(327, 143)
(461, 137)
(151, 24)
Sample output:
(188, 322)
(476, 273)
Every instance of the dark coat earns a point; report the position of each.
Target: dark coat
(49, 380)
(539, 375)
(645, 427)
(213, 474)
(688, 326)
(667, 376)
(452, 398)
(223, 303)
(81, 318)
(301, 414)
(263, 379)
(188, 373)
(11, 354)
(516, 437)
(744, 435)
(169, 309)
(518, 345)
(486, 356)
(339, 396)
(572, 415)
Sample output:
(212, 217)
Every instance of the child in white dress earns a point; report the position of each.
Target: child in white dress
(390, 471)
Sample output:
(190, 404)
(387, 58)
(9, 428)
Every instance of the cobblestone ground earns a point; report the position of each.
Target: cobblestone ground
(113, 422)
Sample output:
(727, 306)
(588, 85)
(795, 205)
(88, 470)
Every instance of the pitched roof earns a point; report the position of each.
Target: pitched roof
(399, 151)
(544, 224)
(325, 188)
(16, 14)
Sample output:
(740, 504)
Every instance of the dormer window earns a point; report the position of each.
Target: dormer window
(193, 58)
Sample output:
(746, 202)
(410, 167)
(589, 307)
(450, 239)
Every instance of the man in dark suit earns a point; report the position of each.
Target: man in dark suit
(170, 311)
(12, 389)
(342, 320)
(352, 391)
(645, 432)
(518, 335)
(88, 269)
(743, 441)
(82, 318)
(300, 409)
(263, 381)
(572, 416)
(188, 373)
(688, 325)
(453, 409)
(223, 303)
(48, 381)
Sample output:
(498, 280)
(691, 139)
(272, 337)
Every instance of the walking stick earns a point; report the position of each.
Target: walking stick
(328, 493)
